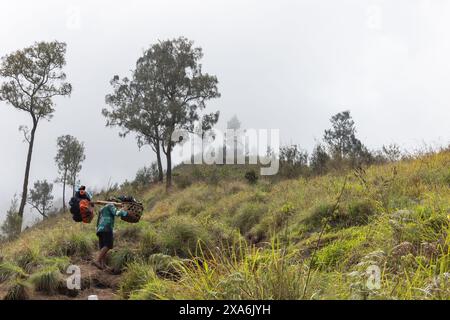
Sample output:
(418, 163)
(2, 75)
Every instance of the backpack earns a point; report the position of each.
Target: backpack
(81, 210)
(85, 211)
(74, 204)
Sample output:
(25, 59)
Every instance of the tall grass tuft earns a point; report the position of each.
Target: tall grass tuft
(47, 280)
(74, 244)
(18, 289)
(181, 235)
(149, 243)
(137, 274)
(28, 258)
(165, 266)
(120, 258)
(245, 272)
(9, 270)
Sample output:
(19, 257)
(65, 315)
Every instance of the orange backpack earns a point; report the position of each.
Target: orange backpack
(86, 211)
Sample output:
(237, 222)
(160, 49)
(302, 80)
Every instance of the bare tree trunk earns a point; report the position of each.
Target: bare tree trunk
(64, 191)
(169, 167)
(27, 170)
(158, 159)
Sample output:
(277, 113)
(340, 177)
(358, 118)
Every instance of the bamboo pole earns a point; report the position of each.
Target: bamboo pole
(104, 203)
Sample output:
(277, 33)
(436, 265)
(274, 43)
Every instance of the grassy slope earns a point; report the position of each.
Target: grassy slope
(227, 239)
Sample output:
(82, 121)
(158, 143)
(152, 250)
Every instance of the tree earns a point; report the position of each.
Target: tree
(319, 159)
(341, 138)
(12, 225)
(293, 160)
(146, 175)
(208, 121)
(204, 128)
(33, 76)
(77, 157)
(41, 197)
(392, 152)
(136, 107)
(69, 155)
(234, 123)
(173, 68)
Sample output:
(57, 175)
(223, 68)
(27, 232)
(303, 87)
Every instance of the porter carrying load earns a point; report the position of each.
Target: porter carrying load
(81, 207)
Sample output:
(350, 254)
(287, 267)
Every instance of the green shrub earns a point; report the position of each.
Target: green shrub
(136, 275)
(146, 176)
(273, 223)
(359, 213)
(318, 214)
(180, 235)
(18, 289)
(248, 216)
(251, 177)
(356, 213)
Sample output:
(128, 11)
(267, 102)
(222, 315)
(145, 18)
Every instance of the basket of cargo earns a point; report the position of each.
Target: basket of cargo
(131, 206)
(134, 209)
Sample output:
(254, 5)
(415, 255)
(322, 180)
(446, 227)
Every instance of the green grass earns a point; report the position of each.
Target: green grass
(136, 276)
(72, 244)
(182, 235)
(218, 237)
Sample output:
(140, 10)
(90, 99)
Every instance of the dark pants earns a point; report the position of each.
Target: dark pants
(105, 239)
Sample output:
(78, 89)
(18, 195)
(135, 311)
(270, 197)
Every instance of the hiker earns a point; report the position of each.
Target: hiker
(81, 206)
(83, 194)
(105, 234)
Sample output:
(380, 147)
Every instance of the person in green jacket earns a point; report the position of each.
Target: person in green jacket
(105, 232)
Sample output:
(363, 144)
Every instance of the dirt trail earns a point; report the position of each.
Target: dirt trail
(93, 282)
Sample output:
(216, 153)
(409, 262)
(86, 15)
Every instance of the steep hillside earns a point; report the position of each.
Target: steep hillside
(315, 238)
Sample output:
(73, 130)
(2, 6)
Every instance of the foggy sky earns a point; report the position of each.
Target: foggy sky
(280, 64)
